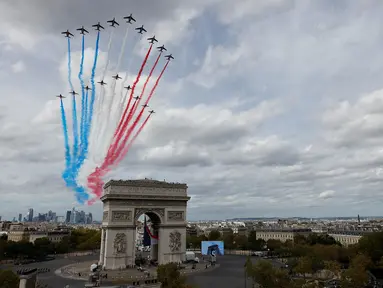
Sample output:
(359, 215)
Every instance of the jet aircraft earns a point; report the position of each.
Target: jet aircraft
(128, 88)
(151, 111)
(140, 29)
(83, 30)
(116, 77)
(162, 48)
(67, 34)
(87, 88)
(102, 83)
(152, 39)
(98, 26)
(137, 98)
(73, 93)
(60, 96)
(145, 105)
(113, 22)
(170, 56)
(129, 19)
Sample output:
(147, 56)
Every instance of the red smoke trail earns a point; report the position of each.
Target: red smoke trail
(122, 145)
(131, 113)
(146, 83)
(126, 149)
(133, 87)
(95, 182)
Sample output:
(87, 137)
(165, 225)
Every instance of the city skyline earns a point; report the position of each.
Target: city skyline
(270, 108)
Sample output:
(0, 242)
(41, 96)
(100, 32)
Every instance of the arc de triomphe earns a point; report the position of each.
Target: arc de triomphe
(124, 202)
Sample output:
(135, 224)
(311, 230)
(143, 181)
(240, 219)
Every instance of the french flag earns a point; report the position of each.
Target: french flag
(149, 238)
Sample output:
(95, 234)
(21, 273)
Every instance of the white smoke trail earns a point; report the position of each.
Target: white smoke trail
(99, 109)
(107, 127)
(127, 72)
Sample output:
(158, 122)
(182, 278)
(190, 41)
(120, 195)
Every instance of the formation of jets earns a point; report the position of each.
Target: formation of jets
(140, 30)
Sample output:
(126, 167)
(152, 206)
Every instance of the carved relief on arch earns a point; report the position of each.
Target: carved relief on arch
(160, 212)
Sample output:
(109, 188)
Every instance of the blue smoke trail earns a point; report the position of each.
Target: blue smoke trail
(83, 107)
(65, 175)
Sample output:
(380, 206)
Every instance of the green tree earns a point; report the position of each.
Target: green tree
(214, 235)
(356, 275)
(304, 266)
(170, 277)
(372, 245)
(255, 244)
(8, 279)
(240, 242)
(268, 276)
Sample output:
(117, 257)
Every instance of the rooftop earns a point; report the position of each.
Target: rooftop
(145, 183)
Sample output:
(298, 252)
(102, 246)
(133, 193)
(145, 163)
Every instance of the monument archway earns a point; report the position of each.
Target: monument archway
(124, 202)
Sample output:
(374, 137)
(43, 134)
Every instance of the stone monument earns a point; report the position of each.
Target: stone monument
(124, 202)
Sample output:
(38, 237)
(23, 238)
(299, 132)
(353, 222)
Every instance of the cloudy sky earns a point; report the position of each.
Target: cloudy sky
(271, 108)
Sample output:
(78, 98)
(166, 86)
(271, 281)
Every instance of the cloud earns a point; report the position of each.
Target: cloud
(18, 67)
(268, 107)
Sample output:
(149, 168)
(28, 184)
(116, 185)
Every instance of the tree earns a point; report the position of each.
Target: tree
(214, 235)
(304, 266)
(240, 242)
(356, 275)
(228, 240)
(8, 279)
(255, 244)
(170, 277)
(372, 245)
(268, 276)
(334, 267)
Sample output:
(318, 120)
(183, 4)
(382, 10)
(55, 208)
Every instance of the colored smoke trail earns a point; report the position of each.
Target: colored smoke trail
(122, 51)
(126, 149)
(69, 66)
(83, 107)
(95, 182)
(122, 120)
(145, 84)
(65, 174)
(75, 132)
(92, 98)
(95, 133)
(116, 154)
(126, 78)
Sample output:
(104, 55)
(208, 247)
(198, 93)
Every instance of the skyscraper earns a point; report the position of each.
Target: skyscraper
(20, 217)
(68, 214)
(30, 215)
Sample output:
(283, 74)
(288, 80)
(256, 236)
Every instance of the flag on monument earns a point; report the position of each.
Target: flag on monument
(149, 238)
(146, 241)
